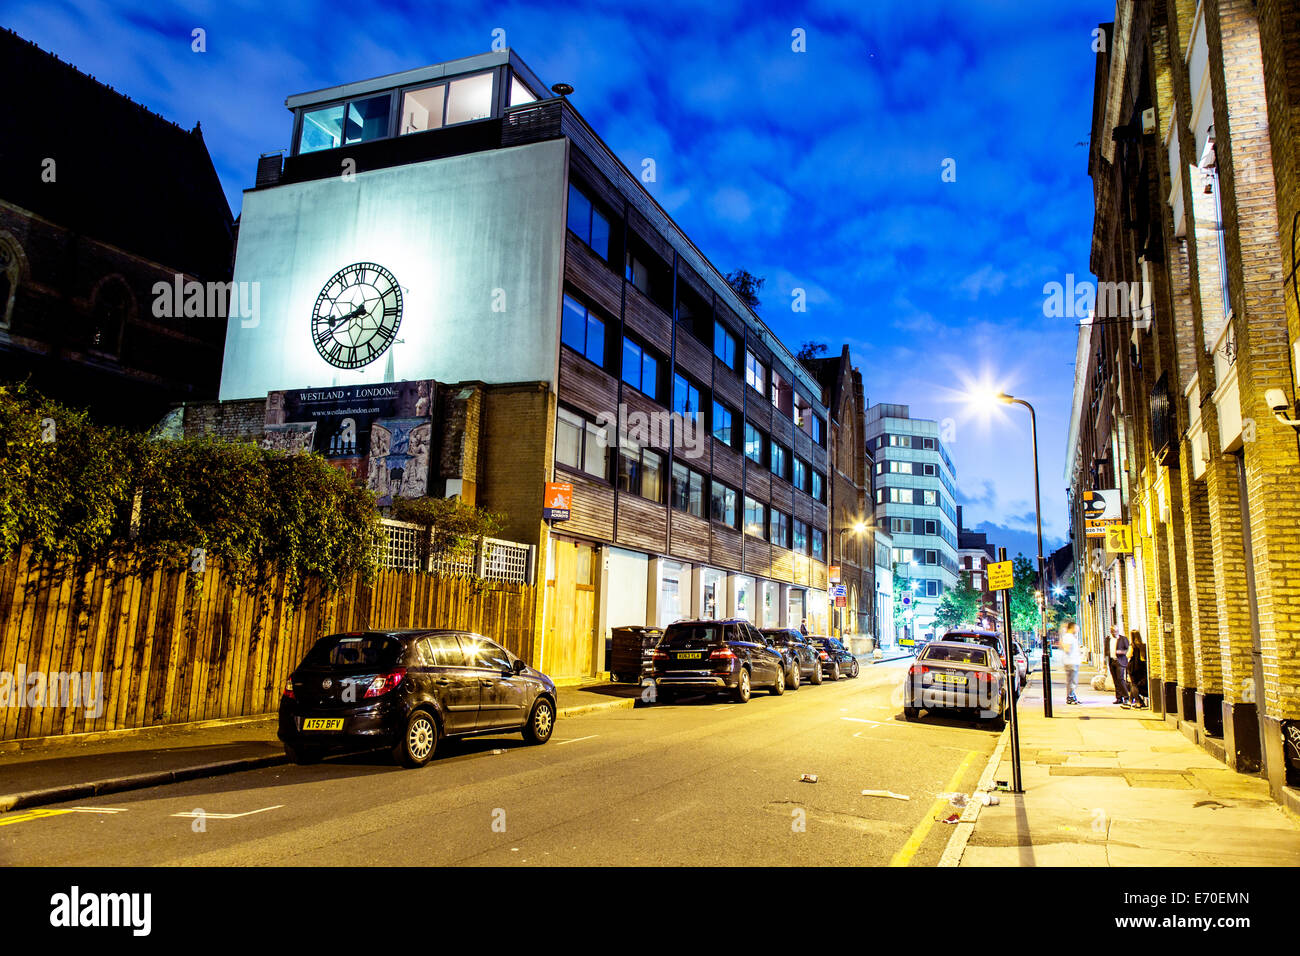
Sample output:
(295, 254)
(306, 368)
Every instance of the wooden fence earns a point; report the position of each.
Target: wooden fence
(174, 646)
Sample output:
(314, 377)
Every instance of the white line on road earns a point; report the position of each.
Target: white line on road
(574, 740)
(98, 809)
(195, 814)
(863, 720)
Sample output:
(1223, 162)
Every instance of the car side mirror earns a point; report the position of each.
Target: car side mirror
(518, 667)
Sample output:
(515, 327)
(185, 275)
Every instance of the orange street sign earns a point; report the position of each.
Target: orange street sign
(835, 574)
(558, 502)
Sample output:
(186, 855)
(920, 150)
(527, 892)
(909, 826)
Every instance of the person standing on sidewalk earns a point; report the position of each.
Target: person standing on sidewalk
(1137, 670)
(1070, 655)
(1119, 663)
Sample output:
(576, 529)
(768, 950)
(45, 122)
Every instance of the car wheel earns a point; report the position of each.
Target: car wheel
(911, 713)
(779, 687)
(541, 724)
(817, 673)
(835, 671)
(854, 672)
(795, 676)
(302, 755)
(741, 694)
(418, 741)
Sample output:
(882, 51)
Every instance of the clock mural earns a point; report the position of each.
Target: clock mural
(356, 315)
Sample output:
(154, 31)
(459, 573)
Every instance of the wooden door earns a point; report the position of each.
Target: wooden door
(571, 611)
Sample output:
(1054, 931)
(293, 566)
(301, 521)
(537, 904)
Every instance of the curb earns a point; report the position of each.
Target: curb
(74, 791)
(956, 847)
(123, 733)
(140, 781)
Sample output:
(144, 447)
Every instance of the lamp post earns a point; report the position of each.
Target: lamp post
(856, 528)
(1042, 590)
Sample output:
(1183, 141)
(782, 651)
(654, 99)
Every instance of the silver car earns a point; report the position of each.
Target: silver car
(957, 675)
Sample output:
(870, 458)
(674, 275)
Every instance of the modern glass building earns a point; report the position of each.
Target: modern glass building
(916, 495)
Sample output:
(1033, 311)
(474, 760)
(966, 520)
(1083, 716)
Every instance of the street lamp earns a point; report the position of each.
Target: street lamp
(857, 528)
(1038, 518)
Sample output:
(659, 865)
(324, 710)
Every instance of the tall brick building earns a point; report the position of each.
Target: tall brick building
(1197, 198)
(458, 224)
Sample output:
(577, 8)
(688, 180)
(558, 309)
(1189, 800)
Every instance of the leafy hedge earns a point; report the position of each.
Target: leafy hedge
(455, 525)
(71, 488)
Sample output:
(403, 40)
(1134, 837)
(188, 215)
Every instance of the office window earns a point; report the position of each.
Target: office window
(469, 99)
(778, 391)
(582, 331)
(687, 490)
(932, 527)
(931, 557)
(819, 430)
(367, 119)
(640, 368)
(423, 109)
(640, 471)
(802, 414)
(686, 398)
(581, 444)
(818, 486)
(722, 424)
(880, 467)
(754, 440)
(321, 129)
(929, 497)
(636, 272)
(819, 544)
(799, 476)
(927, 443)
(755, 518)
(900, 525)
(755, 373)
(933, 589)
(880, 496)
(588, 223)
(780, 461)
(800, 537)
(724, 345)
(779, 528)
(722, 504)
(928, 470)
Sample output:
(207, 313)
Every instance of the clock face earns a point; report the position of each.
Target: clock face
(357, 314)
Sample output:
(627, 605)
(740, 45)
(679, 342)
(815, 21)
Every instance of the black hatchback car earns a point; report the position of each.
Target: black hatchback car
(720, 656)
(837, 660)
(802, 659)
(408, 689)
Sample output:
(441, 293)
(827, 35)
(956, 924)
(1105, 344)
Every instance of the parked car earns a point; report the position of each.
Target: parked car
(407, 690)
(802, 660)
(993, 639)
(631, 653)
(957, 675)
(836, 659)
(720, 656)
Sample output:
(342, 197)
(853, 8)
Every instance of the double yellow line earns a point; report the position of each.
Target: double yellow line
(25, 815)
(904, 856)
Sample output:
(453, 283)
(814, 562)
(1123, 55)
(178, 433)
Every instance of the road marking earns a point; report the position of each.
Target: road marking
(98, 810)
(26, 815)
(196, 814)
(863, 720)
(904, 856)
(574, 740)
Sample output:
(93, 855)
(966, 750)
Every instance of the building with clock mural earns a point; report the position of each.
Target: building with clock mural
(464, 291)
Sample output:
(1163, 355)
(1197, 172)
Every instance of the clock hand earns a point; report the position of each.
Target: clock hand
(355, 313)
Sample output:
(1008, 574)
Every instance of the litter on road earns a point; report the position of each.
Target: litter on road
(808, 778)
(885, 793)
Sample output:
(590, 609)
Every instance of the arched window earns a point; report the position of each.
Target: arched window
(113, 304)
(10, 270)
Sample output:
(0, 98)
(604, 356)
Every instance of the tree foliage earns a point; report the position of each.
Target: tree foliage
(746, 285)
(74, 489)
(811, 350)
(959, 605)
(1024, 603)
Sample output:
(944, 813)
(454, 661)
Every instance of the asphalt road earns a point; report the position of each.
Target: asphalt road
(693, 783)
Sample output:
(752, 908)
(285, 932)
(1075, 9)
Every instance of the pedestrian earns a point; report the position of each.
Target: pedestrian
(1137, 670)
(803, 627)
(1070, 654)
(1117, 656)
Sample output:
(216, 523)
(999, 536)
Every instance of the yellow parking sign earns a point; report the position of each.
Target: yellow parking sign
(1001, 576)
(1119, 539)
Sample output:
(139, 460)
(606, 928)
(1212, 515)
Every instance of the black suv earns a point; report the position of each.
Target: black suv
(408, 689)
(727, 656)
(802, 660)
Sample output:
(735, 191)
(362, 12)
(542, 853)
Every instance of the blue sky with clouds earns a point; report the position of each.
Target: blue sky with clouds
(819, 170)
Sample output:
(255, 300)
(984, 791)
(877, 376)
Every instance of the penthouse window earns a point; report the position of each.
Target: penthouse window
(640, 471)
(725, 345)
(446, 104)
(640, 368)
(342, 124)
(588, 223)
(581, 444)
(688, 490)
(755, 373)
(583, 331)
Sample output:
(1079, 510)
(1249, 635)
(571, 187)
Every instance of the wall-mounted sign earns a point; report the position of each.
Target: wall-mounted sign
(1101, 505)
(839, 590)
(1119, 539)
(558, 501)
(1001, 575)
(834, 573)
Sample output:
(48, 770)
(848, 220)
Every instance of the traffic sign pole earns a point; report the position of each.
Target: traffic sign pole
(1010, 669)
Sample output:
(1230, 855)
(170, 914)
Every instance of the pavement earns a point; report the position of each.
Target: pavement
(1108, 786)
(76, 766)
